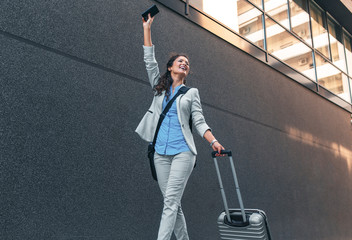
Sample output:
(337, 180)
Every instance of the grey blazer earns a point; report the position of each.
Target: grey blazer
(186, 104)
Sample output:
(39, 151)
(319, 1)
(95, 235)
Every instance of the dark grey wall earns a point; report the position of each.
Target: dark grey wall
(73, 89)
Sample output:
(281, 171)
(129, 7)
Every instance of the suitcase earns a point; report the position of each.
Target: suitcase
(240, 224)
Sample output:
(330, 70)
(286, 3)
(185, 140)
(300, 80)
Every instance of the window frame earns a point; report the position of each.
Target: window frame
(207, 22)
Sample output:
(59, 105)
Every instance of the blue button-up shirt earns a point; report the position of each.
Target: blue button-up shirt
(170, 140)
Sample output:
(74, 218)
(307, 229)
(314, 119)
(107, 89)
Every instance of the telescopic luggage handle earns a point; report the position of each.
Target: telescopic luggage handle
(229, 154)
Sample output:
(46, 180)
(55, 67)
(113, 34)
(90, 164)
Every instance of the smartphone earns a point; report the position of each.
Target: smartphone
(153, 10)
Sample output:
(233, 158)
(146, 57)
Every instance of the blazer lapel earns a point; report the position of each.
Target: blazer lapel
(178, 99)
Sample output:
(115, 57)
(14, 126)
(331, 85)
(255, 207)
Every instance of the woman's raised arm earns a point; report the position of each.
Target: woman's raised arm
(147, 31)
(151, 64)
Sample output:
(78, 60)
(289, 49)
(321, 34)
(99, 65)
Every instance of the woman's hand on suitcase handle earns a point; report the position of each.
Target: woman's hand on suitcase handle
(218, 147)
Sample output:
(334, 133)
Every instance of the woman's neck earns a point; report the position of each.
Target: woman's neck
(177, 80)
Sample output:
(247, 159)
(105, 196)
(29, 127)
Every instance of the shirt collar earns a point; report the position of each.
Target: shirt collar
(176, 88)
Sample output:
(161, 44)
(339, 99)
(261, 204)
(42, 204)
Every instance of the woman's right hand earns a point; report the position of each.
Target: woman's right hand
(147, 32)
(147, 24)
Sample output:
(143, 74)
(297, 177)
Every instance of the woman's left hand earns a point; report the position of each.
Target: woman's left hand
(218, 147)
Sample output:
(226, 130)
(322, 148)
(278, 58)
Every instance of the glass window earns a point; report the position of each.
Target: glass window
(320, 34)
(350, 89)
(198, 4)
(350, 79)
(257, 2)
(224, 11)
(289, 49)
(239, 15)
(332, 78)
(277, 9)
(250, 23)
(291, 40)
(336, 46)
(300, 20)
(348, 49)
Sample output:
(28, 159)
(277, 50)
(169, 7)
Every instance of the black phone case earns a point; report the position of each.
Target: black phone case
(153, 10)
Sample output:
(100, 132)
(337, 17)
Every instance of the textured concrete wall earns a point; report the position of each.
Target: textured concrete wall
(73, 89)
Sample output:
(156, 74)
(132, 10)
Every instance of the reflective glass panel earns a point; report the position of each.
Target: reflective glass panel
(257, 2)
(277, 9)
(350, 90)
(239, 15)
(224, 11)
(289, 49)
(300, 20)
(350, 79)
(320, 34)
(332, 78)
(336, 46)
(198, 4)
(348, 49)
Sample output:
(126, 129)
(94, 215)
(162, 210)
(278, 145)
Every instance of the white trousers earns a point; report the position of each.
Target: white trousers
(173, 172)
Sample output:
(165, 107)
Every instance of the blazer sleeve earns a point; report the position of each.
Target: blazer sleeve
(197, 115)
(151, 65)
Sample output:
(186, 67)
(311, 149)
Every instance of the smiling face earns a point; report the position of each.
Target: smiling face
(180, 66)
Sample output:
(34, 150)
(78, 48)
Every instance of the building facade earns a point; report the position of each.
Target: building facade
(275, 83)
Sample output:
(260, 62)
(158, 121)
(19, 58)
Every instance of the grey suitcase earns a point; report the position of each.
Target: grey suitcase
(240, 224)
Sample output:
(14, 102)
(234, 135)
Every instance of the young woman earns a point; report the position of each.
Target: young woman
(175, 151)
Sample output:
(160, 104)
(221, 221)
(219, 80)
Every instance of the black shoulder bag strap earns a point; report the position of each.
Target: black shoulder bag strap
(151, 146)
